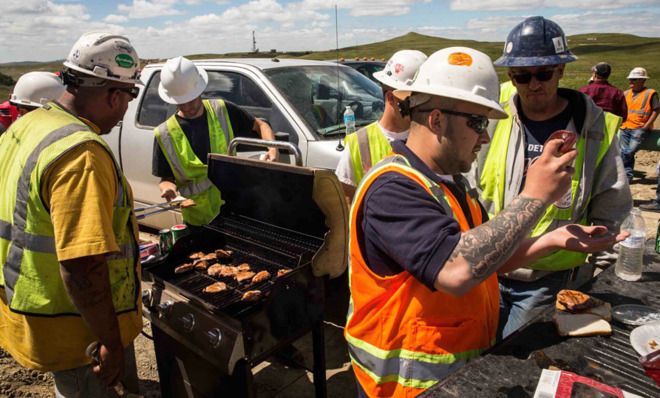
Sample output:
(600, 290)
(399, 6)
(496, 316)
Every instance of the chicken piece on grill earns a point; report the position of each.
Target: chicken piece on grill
(216, 287)
(209, 257)
(244, 267)
(222, 270)
(281, 272)
(261, 276)
(201, 264)
(222, 253)
(196, 255)
(183, 268)
(244, 275)
(251, 295)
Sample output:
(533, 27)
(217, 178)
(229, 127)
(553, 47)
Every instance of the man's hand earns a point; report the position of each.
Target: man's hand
(167, 190)
(585, 239)
(110, 368)
(271, 156)
(549, 177)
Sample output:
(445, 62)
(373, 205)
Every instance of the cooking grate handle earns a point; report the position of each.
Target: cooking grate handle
(291, 148)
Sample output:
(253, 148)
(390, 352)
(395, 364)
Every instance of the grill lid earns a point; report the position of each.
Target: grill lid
(306, 200)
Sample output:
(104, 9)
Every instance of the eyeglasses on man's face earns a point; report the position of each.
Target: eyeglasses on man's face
(132, 91)
(478, 123)
(526, 77)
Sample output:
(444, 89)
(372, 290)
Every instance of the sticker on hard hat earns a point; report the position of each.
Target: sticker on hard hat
(559, 44)
(509, 47)
(459, 59)
(124, 61)
(398, 68)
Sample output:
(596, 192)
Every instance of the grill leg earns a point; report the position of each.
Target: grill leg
(318, 337)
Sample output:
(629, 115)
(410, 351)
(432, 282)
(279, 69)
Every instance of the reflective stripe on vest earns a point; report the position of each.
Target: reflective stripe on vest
(493, 181)
(366, 147)
(36, 243)
(387, 366)
(190, 173)
(12, 267)
(639, 108)
(42, 292)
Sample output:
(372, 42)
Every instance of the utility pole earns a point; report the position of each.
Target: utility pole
(254, 43)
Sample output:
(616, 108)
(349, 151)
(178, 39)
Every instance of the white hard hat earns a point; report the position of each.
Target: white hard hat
(401, 68)
(106, 56)
(36, 89)
(181, 81)
(460, 73)
(638, 73)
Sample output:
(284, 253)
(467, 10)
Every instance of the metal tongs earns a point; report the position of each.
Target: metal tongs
(178, 202)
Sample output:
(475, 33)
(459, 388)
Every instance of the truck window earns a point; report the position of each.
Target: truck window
(230, 86)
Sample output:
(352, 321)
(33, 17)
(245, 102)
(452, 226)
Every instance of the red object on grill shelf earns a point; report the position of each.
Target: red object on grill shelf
(651, 365)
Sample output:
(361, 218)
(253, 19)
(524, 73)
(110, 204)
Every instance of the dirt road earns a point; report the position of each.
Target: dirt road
(16, 381)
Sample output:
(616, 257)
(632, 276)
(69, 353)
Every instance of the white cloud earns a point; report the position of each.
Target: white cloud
(362, 8)
(143, 9)
(303, 25)
(509, 5)
(114, 18)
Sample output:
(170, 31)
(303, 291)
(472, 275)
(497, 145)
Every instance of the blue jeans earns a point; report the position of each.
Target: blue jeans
(629, 142)
(522, 301)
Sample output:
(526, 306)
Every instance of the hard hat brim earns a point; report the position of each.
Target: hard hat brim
(387, 80)
(199, 88)
(25, 103)
(135, 81)
(558, 59)
(637, 77)
(495, 112)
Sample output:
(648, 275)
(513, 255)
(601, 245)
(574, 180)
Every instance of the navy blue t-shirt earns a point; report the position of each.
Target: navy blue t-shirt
(405, 228)
(538, 132)
(197, 132)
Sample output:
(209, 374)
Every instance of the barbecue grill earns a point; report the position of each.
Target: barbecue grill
(276, 217)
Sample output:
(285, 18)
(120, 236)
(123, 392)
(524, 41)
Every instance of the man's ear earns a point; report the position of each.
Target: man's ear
(435, 122)
(112, 96)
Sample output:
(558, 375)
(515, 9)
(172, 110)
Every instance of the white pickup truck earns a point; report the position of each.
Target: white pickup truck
(303, 101)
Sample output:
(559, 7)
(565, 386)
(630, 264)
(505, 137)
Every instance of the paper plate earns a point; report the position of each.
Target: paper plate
(646, 338)
(635, 314)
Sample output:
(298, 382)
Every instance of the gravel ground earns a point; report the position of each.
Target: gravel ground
(16, 381)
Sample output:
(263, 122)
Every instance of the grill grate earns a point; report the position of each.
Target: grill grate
(262, 246)
(618, 358)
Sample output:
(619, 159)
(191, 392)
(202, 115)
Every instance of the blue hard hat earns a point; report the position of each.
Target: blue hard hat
(536, 41)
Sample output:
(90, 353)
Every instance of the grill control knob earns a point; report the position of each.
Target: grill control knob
(188, 322)
(147, 298)
(165, 308)
(215, 337)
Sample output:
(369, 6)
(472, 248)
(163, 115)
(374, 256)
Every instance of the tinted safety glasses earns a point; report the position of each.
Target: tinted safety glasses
(132, 91)
(477, 123)
(526, 77)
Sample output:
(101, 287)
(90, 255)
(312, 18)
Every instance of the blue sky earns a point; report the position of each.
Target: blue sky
(42, 30)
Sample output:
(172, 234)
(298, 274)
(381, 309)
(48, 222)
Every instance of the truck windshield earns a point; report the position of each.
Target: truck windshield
(320, 94)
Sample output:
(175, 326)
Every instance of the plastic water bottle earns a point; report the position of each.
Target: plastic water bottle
(631, 251)
(349, 120)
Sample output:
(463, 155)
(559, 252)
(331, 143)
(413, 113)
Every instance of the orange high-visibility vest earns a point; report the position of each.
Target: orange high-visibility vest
(639, 108)
(402, 337)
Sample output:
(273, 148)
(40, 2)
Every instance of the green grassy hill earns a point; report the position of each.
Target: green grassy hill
(622, 51)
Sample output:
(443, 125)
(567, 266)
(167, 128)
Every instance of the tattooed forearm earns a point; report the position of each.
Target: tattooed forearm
(490, 245)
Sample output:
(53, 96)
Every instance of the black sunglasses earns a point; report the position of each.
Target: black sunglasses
(132, 91)
(478, 123)
(526, 77)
